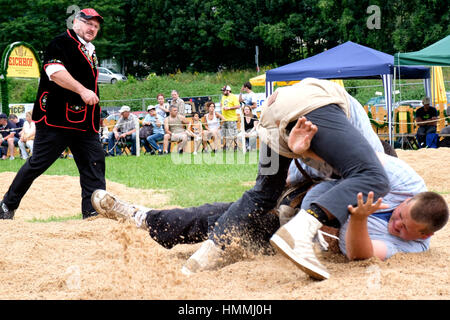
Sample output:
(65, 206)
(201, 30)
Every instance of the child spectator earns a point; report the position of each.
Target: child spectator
(195, 130)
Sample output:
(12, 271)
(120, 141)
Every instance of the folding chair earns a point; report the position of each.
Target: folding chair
(124, 146)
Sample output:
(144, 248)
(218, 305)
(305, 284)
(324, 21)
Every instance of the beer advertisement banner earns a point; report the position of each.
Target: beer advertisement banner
(22, 63)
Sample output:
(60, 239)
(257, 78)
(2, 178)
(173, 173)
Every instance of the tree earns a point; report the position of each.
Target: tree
(165, 36)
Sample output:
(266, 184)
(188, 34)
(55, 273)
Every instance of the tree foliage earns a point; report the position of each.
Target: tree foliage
(165, 36)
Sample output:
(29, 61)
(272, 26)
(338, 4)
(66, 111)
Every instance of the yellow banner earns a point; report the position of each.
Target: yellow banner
(261, 81)
(22, 64)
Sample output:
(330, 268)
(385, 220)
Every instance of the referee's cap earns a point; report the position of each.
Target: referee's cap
(90, 13)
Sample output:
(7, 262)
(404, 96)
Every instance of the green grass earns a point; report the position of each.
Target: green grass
(56, 219)
(188, 180)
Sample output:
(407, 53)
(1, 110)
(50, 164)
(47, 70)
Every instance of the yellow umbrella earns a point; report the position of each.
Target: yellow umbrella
(439, 97)
(339, 82)
(438, 87)
(261, 81)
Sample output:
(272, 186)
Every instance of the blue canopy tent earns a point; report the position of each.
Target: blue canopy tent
(348, 60)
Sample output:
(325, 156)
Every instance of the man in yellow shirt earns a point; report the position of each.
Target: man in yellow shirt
(230, 103)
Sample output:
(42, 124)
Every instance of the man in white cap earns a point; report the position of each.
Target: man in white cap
(125, 129)
(426, 119)
(66, 113)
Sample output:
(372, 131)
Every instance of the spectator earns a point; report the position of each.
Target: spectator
(195, 130)
(446, 130)
(211, 121)
(178, 102)
(446, 141)
(146, 130)
(229, 103)
(157, 121)
(7, 137)
(162, 108)
(27, 136)
(175, 130)
(250, 134)
(19, 124)
(249, 98)
(125, 129)
(104, 137)
(426, 119)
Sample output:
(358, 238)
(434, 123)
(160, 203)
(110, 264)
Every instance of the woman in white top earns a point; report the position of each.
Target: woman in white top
(212, 121)
(162, 108)
(27, 136)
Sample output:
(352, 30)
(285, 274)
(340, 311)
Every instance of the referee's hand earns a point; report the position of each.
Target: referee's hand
(89, 97)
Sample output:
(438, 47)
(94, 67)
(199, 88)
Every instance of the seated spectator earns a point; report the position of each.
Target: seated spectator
(19, 124)
(446, 130)
(27, 134)
(426, 119)
(104, 137)
(446, 141)
(125, 129)
(195, 130)
(250, 134)
(7, 137)
(212, 121)
(162, 108)
(154, 119)
(175, 130)
(146, 130)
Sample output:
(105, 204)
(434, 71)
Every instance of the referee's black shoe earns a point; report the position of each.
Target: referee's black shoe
(5, 213)
(87, 214)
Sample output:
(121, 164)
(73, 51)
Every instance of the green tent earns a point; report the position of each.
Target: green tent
(438, 54)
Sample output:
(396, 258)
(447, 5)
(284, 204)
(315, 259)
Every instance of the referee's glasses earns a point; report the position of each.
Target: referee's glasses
(90, 24)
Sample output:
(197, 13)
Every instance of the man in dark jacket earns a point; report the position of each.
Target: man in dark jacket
(7, 137)
(67, 114)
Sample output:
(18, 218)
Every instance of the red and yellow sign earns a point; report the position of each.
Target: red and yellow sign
(22, 63)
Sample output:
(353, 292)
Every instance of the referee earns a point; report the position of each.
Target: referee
(67, 114)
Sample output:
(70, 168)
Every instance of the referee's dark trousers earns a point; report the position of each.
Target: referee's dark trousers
(49, 144)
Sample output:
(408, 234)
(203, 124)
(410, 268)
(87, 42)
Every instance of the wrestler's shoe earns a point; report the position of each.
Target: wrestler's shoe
(295, 241)
(111, 207)
(5, 213)
(207, 257)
